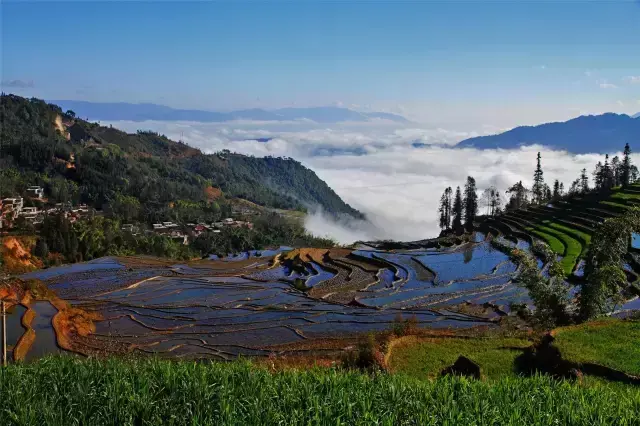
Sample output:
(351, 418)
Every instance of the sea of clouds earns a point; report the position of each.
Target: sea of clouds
(394, 173)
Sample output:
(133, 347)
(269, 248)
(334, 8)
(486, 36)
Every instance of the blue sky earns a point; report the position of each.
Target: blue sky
(521, 61)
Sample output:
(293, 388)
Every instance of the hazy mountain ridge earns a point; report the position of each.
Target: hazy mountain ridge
(591, 133)
(118, 111)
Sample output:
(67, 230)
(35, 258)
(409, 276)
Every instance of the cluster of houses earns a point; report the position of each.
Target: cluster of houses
(190, 230)
(13, 208)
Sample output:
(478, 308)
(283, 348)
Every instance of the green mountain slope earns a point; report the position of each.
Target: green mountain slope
(39, 140)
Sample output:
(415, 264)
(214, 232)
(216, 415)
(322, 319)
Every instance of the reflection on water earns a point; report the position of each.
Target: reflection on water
(225, 308)
(45, 342)
(14, 324)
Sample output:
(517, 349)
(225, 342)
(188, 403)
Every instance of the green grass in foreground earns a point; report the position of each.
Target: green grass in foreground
(63, 391)
(608, 342)
(427, 357)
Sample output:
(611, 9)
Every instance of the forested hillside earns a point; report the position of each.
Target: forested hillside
(42, 145)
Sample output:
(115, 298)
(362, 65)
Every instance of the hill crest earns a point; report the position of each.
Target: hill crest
(585, 134)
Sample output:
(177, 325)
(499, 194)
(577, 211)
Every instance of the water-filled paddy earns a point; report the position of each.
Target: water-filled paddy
(252, 303)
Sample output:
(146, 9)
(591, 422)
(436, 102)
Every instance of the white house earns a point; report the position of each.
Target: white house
(36, 191)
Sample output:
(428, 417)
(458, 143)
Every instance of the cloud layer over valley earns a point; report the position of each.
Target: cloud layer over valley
(393, 173)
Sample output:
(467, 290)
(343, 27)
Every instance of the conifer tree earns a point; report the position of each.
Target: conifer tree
(561, 189)
(470, 203)
(584, 182)
(445, 209)
(607, 174)
(598, 177)
(547, 193)
(456, 223)
(556, 190)
(616, 171)
(626, 166)
(538, 190)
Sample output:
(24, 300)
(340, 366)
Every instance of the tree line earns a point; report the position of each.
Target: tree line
(457, 213)
(454, 209)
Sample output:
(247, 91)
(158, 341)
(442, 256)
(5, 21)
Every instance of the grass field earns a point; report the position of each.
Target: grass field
(64, 391)
(626, 196)
(427, 357)
(608, 342)
(554, 243)
(583, 237)
(573, 248)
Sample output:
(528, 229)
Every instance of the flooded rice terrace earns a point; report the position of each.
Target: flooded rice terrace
(276, 301)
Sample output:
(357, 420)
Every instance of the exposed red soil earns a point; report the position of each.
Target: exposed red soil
(16, 255)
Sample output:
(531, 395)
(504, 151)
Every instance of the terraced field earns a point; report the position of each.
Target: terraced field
(567, 226)
(280, 301)
(301, 301)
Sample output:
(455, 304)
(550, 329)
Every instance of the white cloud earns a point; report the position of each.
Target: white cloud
(605, 85)
(633, 79)
(377, 169)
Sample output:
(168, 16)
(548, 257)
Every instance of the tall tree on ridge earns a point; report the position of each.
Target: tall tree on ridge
(517, 197)
(556, 190)
(607, 173)
(626, 166)
(547, 193)
(561, 189)
(584, 182)
(456, 223)
(616, 171)
(470, 203)
(445, 209)
(538, 191)
(598, 177)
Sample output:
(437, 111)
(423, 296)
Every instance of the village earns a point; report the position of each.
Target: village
(16, 215)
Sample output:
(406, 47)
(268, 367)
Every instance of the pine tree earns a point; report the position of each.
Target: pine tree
(556, 190)
(561, 189)
(470, 203)
(607, 174)
(538, 191)
(626, 166)
(547, 193)
(584, 182)
(598, 177)
(576, 187)
(456, 224)
(634, 174)
(445, 209)
(616, 171)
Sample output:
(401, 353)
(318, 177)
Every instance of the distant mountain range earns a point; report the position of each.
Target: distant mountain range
(143, 112)
(636, 116)
(591, 133)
